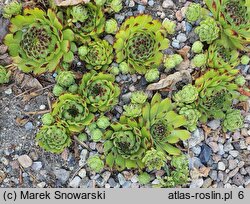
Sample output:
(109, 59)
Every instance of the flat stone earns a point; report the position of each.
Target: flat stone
(221, 166)
(83, 157)
(41, 185)
(75, 182)
(121, 179)
(214, 124)
(181, 37)
(25, 161)
(82, 173)
(207, 183)
(196, 137)
(36, 166)
(238, 180)
(228, 147)
(106, 175)
(168, 4)
(232, 164)
(62, 175)
(205, 154)
(213, 174)
(234, 153)
(197, 183)
(233, 172)
(134, 179)
(214, 146)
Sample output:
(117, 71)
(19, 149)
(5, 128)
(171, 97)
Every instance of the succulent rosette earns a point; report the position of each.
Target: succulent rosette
(188, 94)
(234, 18)
(132, 110)
(73, 111)
(87, 20)
(216, 92)
(113, 5)
(100, 90)
(125, 145)
(222, 58)
(163, 125)
(233, 120)
(139, 42)
(208, 30)
(95, 163)
(54, 138)
(99, 56)
(192, 116)
(11, 9)
(154, 160)
(37, 41)
(193, 12)
(4, 75)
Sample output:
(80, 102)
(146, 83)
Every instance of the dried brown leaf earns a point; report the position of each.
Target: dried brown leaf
(21, 121)
(184, 52)
(207, 130)
(170, 80)
(69, 2)
(201, 172)
(26, 81)
(244, 105)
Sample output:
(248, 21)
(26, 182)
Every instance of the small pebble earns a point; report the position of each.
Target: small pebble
(25, 161)
(75, 182)
(168, 4)
(42, 107)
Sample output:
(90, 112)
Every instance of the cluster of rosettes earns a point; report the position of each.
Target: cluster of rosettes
(210, 98)
(146, 139)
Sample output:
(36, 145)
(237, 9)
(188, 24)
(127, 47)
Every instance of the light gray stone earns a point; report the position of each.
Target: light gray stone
(214, 124)
(75, 182)
(62, 175)
(197, 183)
(25, 161)
(196, 137)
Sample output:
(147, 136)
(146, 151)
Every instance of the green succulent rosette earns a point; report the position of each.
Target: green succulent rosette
(192, 116)
(216, 92)
(178, 173)
(208, 30)
(193, 12)
(154, 160)
(54, 138)
(65, 79)
(4, 75)
(11, 9)
(100, 90)
(233, 120)
(99, 56)
(125, 145)
(132, 110)
(139, 97)
(139, 42)
(95, 163)
(187, 95)
(163, 125)
(113, 6)
(223, 59)
(87, 20)
(73, 111)
(37, 41)
(234, 18)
